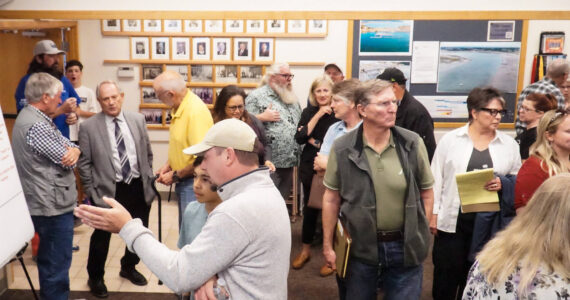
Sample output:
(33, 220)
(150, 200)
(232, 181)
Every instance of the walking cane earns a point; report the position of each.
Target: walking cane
(159, 198)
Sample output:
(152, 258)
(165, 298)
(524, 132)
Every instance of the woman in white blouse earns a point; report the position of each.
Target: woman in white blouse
(530, 258)
(477, 145)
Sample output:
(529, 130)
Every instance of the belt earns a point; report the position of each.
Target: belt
(389, 236)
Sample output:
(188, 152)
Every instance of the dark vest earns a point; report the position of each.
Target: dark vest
(358, 199)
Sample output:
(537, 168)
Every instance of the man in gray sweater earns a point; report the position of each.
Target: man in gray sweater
(246, 241)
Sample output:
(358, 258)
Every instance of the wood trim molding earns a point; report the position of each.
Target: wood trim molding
(268, 15)
(208, 62)
(34, 24)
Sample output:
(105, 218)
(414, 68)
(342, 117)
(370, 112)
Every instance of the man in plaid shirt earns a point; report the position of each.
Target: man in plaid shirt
(45, 160)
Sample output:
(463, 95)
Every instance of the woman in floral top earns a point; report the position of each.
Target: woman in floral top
(530, 259)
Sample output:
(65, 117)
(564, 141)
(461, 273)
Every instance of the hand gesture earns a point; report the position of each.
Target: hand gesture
(270, 114)
(69, 105)
(324, 110)
(109, 219)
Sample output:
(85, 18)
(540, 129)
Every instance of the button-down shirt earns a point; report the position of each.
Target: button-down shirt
(336, 130)
(129, 145)
(544, 86)
(452, 156)
(45, 139)
(280, 134)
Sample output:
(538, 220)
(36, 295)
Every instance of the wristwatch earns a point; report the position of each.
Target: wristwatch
(317, 143)
(175, 177)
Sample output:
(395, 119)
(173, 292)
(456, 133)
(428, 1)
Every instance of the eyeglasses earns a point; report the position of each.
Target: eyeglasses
(526, 109)
(385, 104)
(235, 107)
(494, 112)
(287, 76)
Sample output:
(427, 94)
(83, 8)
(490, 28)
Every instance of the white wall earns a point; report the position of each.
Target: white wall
(290, 5)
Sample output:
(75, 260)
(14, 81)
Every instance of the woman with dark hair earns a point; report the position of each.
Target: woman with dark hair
(477, 145)
(230, 103)
(531, 110)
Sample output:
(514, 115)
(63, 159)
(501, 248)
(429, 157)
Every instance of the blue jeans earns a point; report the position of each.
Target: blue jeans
(54, 254)
(397, 281)
(185, 192)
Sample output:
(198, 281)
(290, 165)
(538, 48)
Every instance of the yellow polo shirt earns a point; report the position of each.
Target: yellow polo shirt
(189, 124)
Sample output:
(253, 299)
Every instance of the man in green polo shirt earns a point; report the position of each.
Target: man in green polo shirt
(379, 180)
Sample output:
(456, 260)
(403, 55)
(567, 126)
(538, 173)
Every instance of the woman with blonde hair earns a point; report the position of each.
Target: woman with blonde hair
(530, 258)
(549, 155)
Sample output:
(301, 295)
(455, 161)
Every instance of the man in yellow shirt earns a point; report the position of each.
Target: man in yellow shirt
(191, 119)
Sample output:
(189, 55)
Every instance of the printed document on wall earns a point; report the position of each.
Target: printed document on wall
(425, 59)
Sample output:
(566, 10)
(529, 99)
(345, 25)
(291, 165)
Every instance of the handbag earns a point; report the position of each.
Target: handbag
(317, 192)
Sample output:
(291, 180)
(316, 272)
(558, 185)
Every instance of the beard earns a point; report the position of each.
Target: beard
(285, 93)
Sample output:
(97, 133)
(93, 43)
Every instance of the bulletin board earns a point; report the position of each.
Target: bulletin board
(463, 60)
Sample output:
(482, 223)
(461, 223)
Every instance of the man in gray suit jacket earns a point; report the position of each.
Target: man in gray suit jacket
(116, 162)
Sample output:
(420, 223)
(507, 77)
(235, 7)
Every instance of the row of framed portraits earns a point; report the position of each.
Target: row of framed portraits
(202, 48)
(200, 73)
(110, 26)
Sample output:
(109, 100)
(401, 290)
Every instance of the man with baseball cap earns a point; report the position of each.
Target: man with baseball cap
(411, 114)
(246, 240)
(334, 72)
(46, 59)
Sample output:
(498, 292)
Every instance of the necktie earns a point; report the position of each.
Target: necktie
(123, 157)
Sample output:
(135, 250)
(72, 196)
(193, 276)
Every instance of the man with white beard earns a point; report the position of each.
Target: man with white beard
(275, 104)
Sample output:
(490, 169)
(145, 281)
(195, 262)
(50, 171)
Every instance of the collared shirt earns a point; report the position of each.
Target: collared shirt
(189, 124)
(336, 130)
(45, 139)
(129, 145)
(280, 134)
(544, 86)
(452, 156)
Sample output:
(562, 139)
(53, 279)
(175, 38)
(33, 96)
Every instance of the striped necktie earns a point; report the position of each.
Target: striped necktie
(123, 157)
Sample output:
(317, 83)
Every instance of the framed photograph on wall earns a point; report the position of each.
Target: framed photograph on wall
(139, 48)
(386, 37)
(152, 116)
(317, 26)
(214, 26)
(276, 26)
(111, 25)
(206, 94)
(551, 42)
(150, 72)
(296, 26)
(251, 74)
(160, 47)
(180, 69)
(264, 49)
(180, 48)
(501, 31)
(149, 96)
(234, 25)
(242, 48)
(192, 25)
(201, 73)
(152, 25)
(201, 48)
(222, 48)
(255, 26)
(172, 26)
(132, 25)
(226, 73)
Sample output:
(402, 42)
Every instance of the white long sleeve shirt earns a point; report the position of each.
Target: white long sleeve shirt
(452, 156)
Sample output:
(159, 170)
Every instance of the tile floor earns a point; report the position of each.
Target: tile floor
(78, 272)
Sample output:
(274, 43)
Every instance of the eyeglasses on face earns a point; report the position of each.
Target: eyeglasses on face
(287, 76)
(494, 112)
(235, 107)
(385, 104)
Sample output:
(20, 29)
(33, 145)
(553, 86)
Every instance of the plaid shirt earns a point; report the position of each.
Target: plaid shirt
(544, 86)
(45, 139)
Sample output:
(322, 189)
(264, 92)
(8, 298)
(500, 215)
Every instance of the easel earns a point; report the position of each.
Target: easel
(21, 259)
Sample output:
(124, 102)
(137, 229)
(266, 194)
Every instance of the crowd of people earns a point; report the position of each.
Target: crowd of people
(366, 156)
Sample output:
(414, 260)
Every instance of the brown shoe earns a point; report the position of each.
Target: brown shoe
(326, 271)
(301, 260)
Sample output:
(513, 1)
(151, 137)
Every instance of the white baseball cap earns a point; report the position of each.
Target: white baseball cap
(46, 47)
(227, 133)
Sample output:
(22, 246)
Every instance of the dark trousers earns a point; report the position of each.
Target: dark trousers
(450, 259)
(283, 180)
(131, 196)
(310, 215)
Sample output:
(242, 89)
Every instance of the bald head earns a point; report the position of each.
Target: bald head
(170, 88)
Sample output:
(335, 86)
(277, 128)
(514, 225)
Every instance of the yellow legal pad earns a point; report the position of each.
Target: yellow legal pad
(474, 197)
(341, 246)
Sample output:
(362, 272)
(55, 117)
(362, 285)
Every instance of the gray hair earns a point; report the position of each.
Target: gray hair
(557, 68)
(108, 81)
(369, 89)
(39, 84)
(346, 89)
(171, 81)
(272, 70)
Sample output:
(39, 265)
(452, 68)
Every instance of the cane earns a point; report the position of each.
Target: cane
(159, 198)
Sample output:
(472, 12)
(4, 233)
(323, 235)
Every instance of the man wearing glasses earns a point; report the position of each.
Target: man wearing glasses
(556, 76)
(275, 104)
